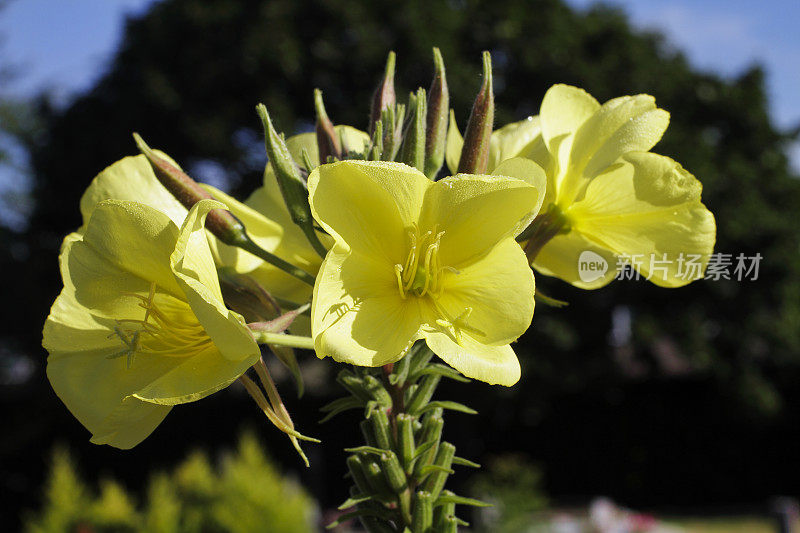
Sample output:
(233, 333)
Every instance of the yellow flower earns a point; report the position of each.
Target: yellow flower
(415, 259)
(264, 215)
(140, 324)
(606, 193)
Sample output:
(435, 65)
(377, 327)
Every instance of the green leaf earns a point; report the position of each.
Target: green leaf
(453, 406)
(459, 500)
(445, 372)
(465, 462)
(339, 406)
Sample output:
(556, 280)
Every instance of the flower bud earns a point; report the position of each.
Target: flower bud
(423, 394)
(405, 440)
(475, 153)
(327, 140)
(438, 105)
(431, 432)
(392, 134)
(444, 516)
(444, 459)
(414, 138)
(384, 94)
(356, 468)
(422, 516)
(395, 476)
(379, 423)
(293, 188)
(188, 192)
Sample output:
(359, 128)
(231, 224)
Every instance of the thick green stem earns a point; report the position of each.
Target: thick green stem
(283, 339)
(249, 246)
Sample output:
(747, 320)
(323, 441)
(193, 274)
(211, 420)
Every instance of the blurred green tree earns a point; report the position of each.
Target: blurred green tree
(244, 494)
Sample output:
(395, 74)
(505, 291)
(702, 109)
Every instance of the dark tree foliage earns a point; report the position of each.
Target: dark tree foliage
(703, 387)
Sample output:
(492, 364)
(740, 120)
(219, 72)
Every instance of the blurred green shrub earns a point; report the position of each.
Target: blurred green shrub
(245, 493)
(513, 485)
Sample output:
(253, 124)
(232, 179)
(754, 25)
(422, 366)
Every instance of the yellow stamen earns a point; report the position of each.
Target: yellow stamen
(168, 328)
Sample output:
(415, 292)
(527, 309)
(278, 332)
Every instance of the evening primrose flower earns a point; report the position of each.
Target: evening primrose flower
(415, 259)
(606, 193)
(140, 325)
(267, 222)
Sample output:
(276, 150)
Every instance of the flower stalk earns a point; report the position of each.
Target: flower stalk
(400, 473)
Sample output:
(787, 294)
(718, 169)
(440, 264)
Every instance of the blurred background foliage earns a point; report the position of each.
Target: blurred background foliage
(242, 494)
(656, 397)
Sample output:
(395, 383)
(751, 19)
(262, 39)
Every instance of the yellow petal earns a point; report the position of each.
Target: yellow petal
(136, 238)
(564, 109)
(194, 378)
(265, 232)
(496, 365)
(475, 213)
(648, 205)
(353, 140)
(455, 143)
(512, 140)
(132, 179)
(498, 290)
(130, 423)
(621, 125)
(561, 258)
(368, 205)
(532, 174)
(357, 314)
(194, 270)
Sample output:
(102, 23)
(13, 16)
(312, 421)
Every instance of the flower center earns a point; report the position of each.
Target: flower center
(421, 274)
(169, 328)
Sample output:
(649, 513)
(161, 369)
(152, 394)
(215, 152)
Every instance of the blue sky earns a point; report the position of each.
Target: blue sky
(64, 46)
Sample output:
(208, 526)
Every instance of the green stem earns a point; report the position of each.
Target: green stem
(313, 239)
(282, 339)
(249, 246)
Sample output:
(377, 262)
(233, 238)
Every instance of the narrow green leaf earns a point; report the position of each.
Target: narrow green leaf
(445, 498)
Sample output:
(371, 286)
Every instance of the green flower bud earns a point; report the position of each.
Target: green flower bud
(422, 515)
(477, 137)
(384, 96)
(414, 137)
(293, 187)
(438, 105)
(328, 141)
(444, 459)
(188, 192)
